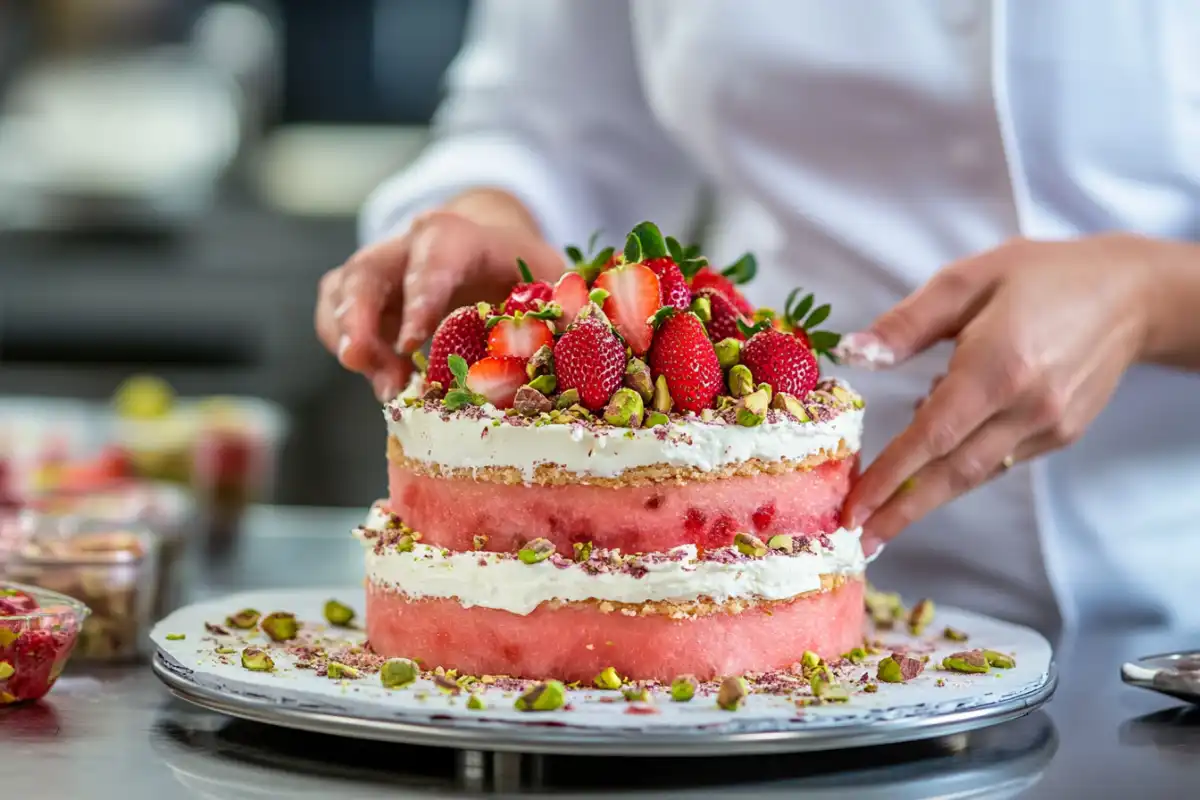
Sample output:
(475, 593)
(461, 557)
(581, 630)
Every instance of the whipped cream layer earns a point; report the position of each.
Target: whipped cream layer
(472, 441)
(502, 581)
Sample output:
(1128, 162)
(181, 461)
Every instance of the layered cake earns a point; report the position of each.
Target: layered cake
(632, 468)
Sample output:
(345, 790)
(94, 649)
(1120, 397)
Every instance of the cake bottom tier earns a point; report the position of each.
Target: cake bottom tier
(575, 641)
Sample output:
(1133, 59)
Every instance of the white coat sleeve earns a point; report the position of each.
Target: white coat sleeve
(545, 101)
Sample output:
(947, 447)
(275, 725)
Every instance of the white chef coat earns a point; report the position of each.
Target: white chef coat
(857, 146)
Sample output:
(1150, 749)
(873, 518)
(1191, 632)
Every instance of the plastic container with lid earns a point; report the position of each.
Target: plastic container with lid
(111, 568)
(38, 631)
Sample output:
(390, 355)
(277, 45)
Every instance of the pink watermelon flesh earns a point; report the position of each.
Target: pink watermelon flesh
(450, 512)
(574, 643)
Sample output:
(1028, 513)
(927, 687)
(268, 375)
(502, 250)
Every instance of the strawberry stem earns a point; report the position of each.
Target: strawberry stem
(748, 330)
(598, 296)
(651, 240)
(743, 270)
(526, 275)
(633, 249)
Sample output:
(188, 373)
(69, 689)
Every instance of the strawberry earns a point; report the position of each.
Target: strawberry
(462, 333)
(633, 297)
(684, 355)
(497, 379)
(517, 337)
(741, 271)
(571, 294)
(14, 602)
(782, 360)
(801, 319)
(590, 359)
(723, 316)
(527, 295)
(672, 286)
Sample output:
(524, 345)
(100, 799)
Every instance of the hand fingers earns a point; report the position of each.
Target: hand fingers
(936, 311)
(987, 452)
(443, 257)
(956, 407)
(329, 303)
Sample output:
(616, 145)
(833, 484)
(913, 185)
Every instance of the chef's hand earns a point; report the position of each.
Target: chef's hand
(1043, 331)
(381, 305)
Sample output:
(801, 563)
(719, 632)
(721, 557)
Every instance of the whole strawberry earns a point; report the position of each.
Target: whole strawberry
(727, 280)
(723, 316)
(590, 359)
(683, 354)
(672, 286)
(462, 333)
(782, 360)
(525, 296)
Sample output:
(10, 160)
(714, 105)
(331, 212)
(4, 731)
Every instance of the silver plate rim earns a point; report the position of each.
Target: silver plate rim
(562, 741)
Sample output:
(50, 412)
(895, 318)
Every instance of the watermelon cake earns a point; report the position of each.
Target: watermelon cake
(631, 469)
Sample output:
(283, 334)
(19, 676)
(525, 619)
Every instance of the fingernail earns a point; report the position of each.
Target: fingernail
(343, 346)
(866, 350)
(341, 310)
(871, 546)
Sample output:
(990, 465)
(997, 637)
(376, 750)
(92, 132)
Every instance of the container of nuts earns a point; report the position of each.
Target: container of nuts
(112, 569)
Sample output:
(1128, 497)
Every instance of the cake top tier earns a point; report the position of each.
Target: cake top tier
(650, 345)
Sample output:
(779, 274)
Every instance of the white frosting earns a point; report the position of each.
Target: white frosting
(497, 580)
(463, 443)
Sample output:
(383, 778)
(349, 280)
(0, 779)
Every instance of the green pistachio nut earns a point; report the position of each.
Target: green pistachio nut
(999, 660)
(856, 655)
(225, 650)
(405, 543)
(788, 404)
(547, 696)
(654, 419)
(256, 659)
(420, 362)
(446, 684)
(637, 377)
(536, 550)
(751, 410)
(475, 703)
(583, 551)
(433, 391)
(729, 352)
(741, 382)
(245, 619)
(781, 542)
(889, 671)
(702, 308)
(749, 545)
(871, 688)
(546, 384)
(920, 616)
(540, 363)
(176, 637)
(662, 396)
(625, 409)
(732, 693)
(884, 607)
(841, 394)
(567, 399)
(766, 387)
(684, 688)
(638, 694)
(530, 402)
(967, 661)
(6, 670)
(281, 626)
(828, 690)
(954, 635)
(607, 679)
(810, 660)
(337, 671)
(338, 613)
(397, 672)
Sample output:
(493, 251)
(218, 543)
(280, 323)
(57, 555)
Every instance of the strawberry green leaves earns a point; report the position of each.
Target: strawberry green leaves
(804, 319)
(460, 395)
(743, 270)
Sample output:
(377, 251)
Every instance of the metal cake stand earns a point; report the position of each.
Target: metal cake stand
(495, 755)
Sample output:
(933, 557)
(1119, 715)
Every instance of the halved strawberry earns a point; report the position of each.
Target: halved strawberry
(497, 379)
(517, 337)
(571, 294)
(526, 296)
(633, 297)
(741, 271)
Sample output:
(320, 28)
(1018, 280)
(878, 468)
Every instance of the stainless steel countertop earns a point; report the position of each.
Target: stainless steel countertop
(116, 732)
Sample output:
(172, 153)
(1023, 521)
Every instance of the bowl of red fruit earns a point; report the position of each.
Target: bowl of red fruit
(38, 631)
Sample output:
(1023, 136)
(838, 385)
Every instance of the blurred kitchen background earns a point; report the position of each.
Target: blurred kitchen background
(175, 175)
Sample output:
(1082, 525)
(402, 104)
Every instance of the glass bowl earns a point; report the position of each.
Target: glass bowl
(38, 631)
